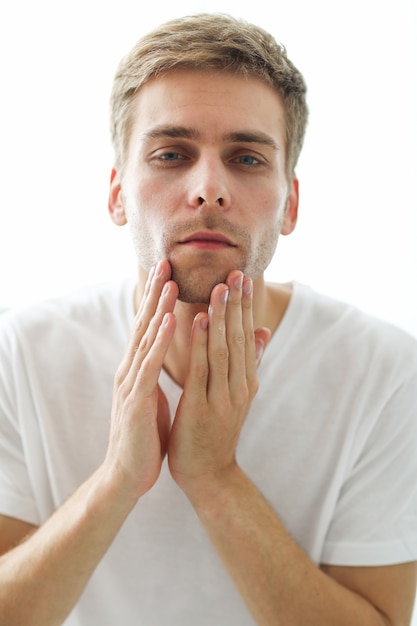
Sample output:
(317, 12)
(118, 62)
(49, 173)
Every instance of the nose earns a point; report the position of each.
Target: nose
(209, 185)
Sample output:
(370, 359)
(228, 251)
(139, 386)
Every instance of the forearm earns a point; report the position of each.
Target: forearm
(278, 582)
(42, 579)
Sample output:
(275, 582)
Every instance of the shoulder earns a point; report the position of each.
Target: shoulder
(350, 324)
(339, 337)
(96, 309)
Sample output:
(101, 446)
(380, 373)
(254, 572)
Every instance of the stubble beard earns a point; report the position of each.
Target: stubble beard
(195, 287)
(197, 279)
(196, 283)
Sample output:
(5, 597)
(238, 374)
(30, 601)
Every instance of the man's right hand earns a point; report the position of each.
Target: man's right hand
(42, 578)
(140, 420)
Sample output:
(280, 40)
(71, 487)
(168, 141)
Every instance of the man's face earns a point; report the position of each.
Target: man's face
(204, 183)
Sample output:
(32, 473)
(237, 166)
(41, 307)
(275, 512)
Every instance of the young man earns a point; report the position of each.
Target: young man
(253, 459)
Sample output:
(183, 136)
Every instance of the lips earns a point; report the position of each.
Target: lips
(207, 237)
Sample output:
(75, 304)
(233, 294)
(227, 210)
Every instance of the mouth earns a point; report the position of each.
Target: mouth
(206, 240)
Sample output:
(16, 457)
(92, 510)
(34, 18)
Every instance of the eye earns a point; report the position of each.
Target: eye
(171, 156)
(246, 159)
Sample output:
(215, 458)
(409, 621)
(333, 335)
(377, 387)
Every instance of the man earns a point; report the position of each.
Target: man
(255, 462)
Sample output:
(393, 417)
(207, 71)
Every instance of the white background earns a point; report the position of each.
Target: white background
(356, 237)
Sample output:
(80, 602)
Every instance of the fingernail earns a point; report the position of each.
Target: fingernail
(225, 296)
(204, 322)
(158, 270)
(238, 281)
(247, 285)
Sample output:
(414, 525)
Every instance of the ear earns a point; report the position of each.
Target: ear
(116, 206)
(291, 211)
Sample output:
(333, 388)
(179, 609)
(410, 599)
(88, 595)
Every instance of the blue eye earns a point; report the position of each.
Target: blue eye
(247, 159)
(170, 156)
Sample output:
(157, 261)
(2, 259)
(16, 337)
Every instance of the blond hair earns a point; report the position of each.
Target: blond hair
(209, 42)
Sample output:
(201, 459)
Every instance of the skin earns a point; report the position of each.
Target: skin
(183, 177)
(205, 314)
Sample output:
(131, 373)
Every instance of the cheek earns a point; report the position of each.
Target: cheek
(143, 202)
(145, 193)
(272, 209)
(267, 223)
(156, 198)
(278, 206)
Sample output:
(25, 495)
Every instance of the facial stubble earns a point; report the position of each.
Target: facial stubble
(197, 279)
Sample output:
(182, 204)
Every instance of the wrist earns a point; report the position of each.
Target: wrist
(112, 487)
(212, 494)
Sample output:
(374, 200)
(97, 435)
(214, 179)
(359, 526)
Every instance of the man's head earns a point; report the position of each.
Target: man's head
(209, 42)
(208, 122)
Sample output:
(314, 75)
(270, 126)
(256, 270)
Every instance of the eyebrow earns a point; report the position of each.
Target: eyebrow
(185, 132)
(252, 137)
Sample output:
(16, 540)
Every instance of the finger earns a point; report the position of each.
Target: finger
(146, 290)
(247, 321)
(235, 334)
(138, 328)
(147, 376)
(217, 349)
(157, 278)
(195, 387)
(166, 304)
(154, 287)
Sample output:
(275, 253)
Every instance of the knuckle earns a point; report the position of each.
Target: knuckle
(234, 300)
(143, 371)
(239, 339)
(250, 340)
(201, 372)
(139, 325)
(222, 355)
(128, 405)
(143, 346)
(122, 390)
(243, 393)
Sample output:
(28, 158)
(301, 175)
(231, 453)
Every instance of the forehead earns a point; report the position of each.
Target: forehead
(214, 103)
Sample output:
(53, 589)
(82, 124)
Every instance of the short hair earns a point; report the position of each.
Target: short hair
(209, 41)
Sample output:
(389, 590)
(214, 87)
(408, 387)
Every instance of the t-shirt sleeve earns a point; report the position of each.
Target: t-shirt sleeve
(375, 520)
(16, 494)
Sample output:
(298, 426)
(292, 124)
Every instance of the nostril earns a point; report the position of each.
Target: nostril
(201, 200)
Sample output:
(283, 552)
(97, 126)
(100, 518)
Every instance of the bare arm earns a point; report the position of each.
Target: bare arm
(13, 532)
(278, 582)
(42, 578)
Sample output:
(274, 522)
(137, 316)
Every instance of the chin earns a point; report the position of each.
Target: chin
(194, 296)
(195, 288)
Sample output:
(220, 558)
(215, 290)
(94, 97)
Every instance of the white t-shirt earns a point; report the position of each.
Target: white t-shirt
(330, 440)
